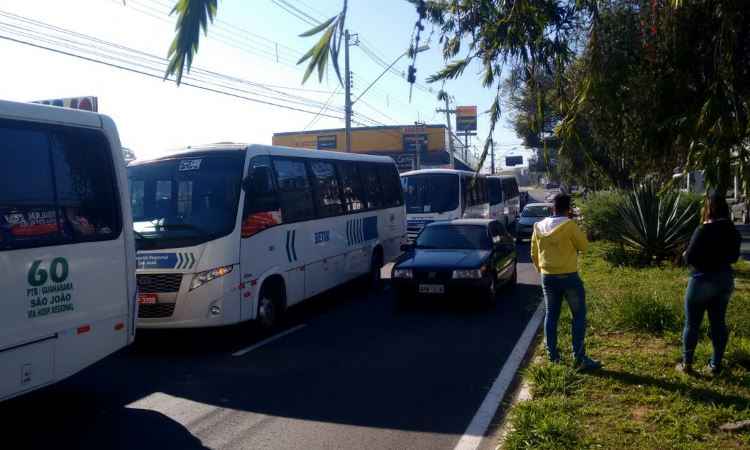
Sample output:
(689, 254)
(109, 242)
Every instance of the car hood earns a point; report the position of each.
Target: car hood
(443, 259)
(529, 220)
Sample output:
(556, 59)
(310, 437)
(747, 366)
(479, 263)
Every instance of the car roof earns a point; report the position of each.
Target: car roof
(481, 222)
(540, 204)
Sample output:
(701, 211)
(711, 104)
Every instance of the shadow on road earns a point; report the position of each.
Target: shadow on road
(360, 361)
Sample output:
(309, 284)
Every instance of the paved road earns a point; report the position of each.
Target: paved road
(361, 373)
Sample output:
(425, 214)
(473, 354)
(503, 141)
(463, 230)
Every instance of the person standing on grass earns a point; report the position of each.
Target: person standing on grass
(714, 247)
(555, 244)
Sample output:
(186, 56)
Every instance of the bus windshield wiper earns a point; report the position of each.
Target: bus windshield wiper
(140, 235)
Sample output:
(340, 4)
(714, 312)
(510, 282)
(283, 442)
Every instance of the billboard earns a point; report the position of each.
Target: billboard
(85, 103)
(327, 142)
(466, 118)
(511, 161)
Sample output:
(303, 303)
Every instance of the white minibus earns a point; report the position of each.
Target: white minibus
(505, 199)
(67, 258)
(442, 194)
(232, 232)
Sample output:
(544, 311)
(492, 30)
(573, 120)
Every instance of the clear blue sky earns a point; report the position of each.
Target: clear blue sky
(154, 116)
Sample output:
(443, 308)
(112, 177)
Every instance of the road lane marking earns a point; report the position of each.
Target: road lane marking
(474, 434)
(268, 340)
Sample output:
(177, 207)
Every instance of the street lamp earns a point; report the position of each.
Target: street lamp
(420, 49)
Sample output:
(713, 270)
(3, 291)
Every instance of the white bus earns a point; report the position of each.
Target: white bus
(504, 198)
(231, 232)
(442, 194)
(67, 258)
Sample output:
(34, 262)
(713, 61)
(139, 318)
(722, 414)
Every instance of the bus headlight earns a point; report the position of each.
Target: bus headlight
(403, 273)
(471, 274)
(199, 279)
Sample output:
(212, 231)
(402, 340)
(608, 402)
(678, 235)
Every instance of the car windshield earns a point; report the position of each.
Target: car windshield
(191, 200)
(430, 193)
(537, 211)
(454, 237)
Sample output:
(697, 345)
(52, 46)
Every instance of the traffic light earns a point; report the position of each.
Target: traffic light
(412, 76)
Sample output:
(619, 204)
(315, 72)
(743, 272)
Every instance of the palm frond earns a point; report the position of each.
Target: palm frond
(193, 17)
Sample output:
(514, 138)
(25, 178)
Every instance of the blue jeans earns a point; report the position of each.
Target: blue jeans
(570, 287)
(707, 293)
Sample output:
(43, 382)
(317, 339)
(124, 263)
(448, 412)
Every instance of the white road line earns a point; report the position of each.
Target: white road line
(269, 340)
(474, 434)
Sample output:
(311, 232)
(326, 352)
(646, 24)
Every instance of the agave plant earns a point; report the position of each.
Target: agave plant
(657, 226)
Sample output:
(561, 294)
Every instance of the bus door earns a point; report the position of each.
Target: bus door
(62, 254)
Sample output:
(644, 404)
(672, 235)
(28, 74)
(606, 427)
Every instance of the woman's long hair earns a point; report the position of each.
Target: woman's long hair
(715, 208)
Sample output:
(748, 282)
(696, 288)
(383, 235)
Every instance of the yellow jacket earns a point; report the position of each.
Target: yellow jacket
(555, 244)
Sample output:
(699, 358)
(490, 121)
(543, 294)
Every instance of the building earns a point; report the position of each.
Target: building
(400, 142)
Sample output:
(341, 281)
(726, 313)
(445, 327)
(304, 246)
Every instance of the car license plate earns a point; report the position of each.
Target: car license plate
(147, 299)
(431, 288)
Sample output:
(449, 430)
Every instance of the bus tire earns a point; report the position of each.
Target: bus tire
(374, 277)
(271, 303)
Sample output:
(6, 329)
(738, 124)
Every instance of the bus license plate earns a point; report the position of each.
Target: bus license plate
(147, 299)
(431, 288)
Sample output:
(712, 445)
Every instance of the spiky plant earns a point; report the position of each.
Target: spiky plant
(656, 225)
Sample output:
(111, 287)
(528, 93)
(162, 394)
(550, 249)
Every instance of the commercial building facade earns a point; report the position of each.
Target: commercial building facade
(410, 146)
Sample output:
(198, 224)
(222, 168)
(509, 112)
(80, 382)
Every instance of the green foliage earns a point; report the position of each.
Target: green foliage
(600, 212)
(549, 423)
(192, 17)
(553, 379)
(649, 313)
(654, 224)
(329, 44)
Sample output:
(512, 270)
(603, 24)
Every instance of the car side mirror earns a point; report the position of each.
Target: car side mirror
(407, 247)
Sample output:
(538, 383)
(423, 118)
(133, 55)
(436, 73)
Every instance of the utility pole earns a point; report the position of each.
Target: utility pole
(418, 126)
(347, 93)
(448, 111)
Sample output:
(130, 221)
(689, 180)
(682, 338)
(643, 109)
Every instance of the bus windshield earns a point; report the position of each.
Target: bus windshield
(185, 201)
(430, 193)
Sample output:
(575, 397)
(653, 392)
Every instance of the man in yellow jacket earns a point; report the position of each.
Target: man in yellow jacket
(555, 244)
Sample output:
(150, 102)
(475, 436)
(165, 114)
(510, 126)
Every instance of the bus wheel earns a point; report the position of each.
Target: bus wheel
(270, 306)
(375, 276)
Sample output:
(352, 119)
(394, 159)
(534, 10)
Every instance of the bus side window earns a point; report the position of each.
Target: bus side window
(391, 183)
(327, 188)
(261, 209)
(295, 190)
(369, 173)
(351, 184)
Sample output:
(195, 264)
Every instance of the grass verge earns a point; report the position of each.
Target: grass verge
(638, 401)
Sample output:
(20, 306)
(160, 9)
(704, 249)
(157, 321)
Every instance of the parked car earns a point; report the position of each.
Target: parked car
(531, 214)
(465, 257)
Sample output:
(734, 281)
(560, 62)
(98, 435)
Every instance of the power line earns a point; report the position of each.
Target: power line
(143, 66)
(293, 12)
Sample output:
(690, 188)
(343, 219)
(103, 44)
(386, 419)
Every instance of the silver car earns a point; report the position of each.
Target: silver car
(531, 214)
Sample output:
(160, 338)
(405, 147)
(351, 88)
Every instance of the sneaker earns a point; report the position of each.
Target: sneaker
(712, 369)
(586, 364)
(685, 368)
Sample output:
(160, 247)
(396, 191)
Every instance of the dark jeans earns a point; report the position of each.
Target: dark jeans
(570, 287)
(707, 292)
